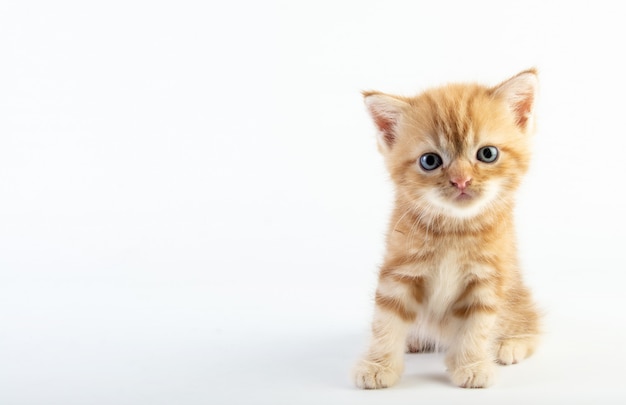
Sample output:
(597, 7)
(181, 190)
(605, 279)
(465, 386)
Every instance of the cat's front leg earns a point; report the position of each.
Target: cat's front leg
(383, 363)
(470, 359)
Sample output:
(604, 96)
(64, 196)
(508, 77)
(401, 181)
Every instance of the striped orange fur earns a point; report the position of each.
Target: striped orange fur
(450, 278)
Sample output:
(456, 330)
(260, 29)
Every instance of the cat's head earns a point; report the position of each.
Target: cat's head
(460, 150)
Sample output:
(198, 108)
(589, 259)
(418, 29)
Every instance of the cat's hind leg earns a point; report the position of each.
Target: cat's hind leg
(416, 342)
(512, 350)
(519, 329)
(418, 346)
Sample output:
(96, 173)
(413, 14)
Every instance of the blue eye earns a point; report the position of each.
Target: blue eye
(487, 154)
(430, 161)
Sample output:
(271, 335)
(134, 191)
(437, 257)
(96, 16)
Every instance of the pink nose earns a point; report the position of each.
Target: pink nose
(461, 182)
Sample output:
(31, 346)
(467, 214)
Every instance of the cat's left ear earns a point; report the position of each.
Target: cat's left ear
(519, 93)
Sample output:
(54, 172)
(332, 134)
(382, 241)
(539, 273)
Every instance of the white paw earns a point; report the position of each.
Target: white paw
(371, 375)
(512, 351)
(478, 375)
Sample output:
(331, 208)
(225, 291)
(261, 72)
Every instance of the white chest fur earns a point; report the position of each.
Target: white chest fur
(445, 284)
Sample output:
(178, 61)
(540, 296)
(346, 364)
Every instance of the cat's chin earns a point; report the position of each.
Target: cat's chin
(464, 206)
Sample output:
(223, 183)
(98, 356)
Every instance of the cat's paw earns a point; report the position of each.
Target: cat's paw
(372, 375)
(512, 351)
(477, 375)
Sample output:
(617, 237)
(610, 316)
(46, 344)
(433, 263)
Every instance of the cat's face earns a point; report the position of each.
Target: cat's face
(460, 150)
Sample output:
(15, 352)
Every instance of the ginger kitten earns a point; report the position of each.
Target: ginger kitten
(450, 277)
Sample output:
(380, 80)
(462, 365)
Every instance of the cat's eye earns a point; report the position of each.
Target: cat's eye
(430, 161)
(487, 154)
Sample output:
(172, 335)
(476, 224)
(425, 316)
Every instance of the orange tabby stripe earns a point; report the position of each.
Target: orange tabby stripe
(415, 284)
(396, 306)
(466, 311)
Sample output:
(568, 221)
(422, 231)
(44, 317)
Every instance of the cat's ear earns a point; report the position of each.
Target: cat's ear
(519, 93)
(386, 112)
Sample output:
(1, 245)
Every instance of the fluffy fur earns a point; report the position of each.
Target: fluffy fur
(450, 278)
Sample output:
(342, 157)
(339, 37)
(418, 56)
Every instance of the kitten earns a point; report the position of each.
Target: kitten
(450, 278)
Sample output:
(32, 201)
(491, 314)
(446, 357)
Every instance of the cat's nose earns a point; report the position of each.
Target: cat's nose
(461, 182)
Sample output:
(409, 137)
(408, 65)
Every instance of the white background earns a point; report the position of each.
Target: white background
(192, 208)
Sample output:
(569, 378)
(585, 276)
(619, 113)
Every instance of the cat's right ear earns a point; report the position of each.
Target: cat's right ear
(386, 112)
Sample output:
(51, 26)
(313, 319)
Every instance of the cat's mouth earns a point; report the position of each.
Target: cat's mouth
(464, 196)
